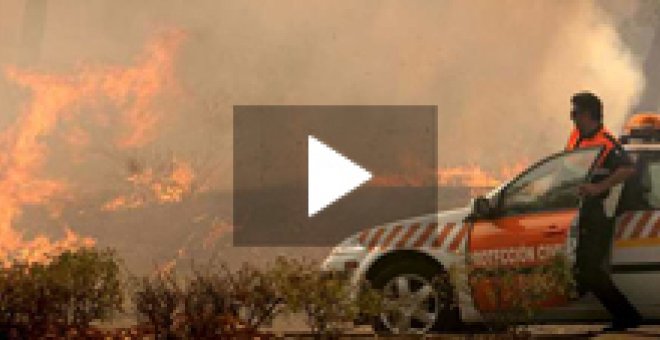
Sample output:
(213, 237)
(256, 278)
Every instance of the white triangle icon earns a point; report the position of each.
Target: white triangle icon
(330, 176)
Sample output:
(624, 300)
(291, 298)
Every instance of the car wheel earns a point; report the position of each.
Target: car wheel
(418, 299)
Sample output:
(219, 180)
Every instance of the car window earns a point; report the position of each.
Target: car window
(642, 191)
(550, 185)
(653, 178)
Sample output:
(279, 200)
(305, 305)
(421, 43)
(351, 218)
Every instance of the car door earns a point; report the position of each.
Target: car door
(530, 222)
(636, 251)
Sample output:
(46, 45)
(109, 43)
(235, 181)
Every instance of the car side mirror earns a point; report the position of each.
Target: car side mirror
(481, 208)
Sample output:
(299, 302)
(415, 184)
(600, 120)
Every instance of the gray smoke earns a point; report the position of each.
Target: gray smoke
(501, 72)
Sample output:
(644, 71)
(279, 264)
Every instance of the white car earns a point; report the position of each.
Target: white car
(526, 221)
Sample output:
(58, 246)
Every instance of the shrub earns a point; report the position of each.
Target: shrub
(89, 282)
(217, 302)
(207, 305)
(29, 300)
(70, 291)
(256, 295)
(327, 299)
(158, 298)
(211, 302)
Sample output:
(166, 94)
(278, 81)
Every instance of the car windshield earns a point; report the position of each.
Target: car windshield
(550, 184)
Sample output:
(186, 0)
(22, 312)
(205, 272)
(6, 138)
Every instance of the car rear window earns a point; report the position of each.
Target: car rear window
(642, 191)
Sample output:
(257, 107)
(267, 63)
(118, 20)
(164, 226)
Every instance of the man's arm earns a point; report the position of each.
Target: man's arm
(620, 174)
(623, 167)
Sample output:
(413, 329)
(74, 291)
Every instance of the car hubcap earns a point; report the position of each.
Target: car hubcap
(410, 304)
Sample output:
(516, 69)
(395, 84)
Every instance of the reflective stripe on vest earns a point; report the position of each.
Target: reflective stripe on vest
(599, 139)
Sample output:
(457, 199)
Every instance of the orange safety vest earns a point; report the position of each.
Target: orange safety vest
(601, 138)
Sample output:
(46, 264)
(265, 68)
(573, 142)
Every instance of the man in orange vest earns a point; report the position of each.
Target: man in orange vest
(612, 167)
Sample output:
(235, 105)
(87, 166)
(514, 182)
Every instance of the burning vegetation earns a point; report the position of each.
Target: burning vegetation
(168, 183)
(116, 98)
(473, 177)
(116, 112)
(87, 117)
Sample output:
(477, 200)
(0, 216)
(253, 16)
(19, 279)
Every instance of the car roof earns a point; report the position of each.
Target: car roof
(642, 147)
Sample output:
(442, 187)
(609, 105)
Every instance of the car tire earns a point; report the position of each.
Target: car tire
(419, 277)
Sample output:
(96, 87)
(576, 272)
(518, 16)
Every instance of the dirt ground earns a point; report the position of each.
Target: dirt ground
(292, 325)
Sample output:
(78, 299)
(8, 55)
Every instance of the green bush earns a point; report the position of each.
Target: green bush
(256, 295)
(211, 302)
(70, 291)
(29, 300)
(328, 300)
(215, 301)
(90, 284)
(158, 298)
(207, 306)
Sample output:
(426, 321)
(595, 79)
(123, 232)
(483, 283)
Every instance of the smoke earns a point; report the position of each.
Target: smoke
(501, 72)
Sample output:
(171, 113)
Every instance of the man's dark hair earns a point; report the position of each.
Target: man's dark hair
(589, 102)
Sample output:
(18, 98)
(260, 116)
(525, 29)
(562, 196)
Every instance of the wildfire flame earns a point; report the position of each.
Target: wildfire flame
(54, 99)
(476, 177)
(41, 248)
(218, 229)
(165, 185)
(471, 176)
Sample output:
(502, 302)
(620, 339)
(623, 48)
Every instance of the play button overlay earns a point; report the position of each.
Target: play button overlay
(314, 175)
(330, 176)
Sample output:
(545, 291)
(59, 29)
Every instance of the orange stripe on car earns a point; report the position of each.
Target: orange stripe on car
(437, 243)
(363, 237)
(395, 231)
(457, 240)
(376, 238)
(411, 231)
(425, 235)
(646, 216)
(623, 224)
(656, 229)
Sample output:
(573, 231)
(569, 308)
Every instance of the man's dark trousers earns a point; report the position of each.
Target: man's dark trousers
(593, 262)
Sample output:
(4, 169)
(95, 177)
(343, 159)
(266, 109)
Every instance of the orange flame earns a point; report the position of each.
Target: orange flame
(41, 248)
(471, 176)
(475, 178)
(218, 229)
(53, 99)
(150, 185)
(178, 183)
